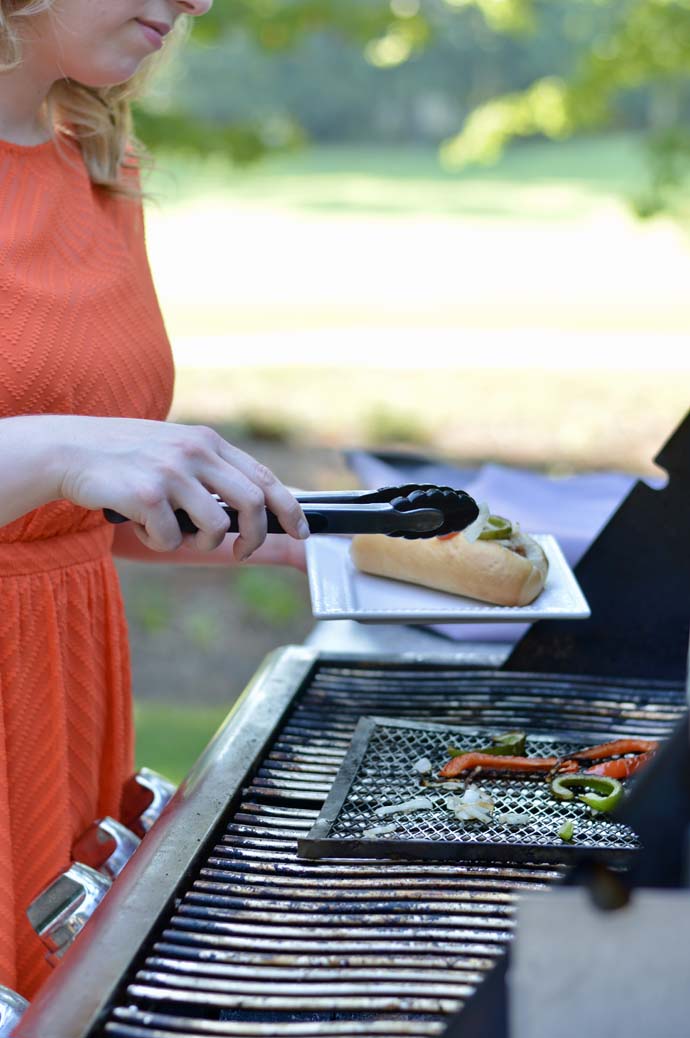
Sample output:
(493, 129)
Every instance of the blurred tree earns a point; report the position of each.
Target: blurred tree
(508, 68)
(331, 88)
(646, 43)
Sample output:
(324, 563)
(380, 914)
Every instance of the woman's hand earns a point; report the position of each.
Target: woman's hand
(145, 470)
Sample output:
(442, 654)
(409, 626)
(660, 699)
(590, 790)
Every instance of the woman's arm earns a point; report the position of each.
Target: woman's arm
(144, 470)
(30, 471)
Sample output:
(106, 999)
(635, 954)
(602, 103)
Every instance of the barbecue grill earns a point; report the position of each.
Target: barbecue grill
(217, 928)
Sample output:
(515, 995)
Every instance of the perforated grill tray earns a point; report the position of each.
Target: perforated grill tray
(378, 771)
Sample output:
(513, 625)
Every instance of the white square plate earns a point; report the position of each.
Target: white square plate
(340, 592)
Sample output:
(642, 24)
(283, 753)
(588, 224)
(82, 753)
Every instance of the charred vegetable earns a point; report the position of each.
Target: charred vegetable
(566, 831)
(607, 791)
(510, 744)
(492, 762)
(622, 768)
(615, 749)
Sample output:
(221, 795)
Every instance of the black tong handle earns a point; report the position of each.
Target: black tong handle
(330, 518)
(412, 510)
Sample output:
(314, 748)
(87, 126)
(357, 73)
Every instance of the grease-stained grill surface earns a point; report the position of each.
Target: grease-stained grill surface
(378, 772)
(258, 943)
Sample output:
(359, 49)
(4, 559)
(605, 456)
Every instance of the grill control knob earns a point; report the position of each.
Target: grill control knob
(143, 799)
(107, 846)
(12, 1006)
(63, 908)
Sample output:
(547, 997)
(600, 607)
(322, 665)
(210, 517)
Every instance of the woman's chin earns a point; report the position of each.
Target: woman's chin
(113, 75)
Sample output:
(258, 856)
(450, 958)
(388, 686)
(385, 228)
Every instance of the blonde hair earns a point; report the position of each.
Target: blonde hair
(99, 119)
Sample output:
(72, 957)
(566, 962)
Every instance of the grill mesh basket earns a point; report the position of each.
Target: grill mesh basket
(378, 771)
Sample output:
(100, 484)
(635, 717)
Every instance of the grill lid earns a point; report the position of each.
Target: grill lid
(635, 576)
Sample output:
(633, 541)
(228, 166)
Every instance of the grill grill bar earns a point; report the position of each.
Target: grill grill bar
(392, 872)
(296, 1004)
(301, 913)
(163, 971)
(316, 893)
(167, 1026)
(213, 936)
(174, 957)
(319, 961)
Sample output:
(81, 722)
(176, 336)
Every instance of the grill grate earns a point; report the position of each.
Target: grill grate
(378, 771)
(261, 943)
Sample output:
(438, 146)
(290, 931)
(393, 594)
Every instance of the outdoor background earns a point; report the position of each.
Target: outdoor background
(458, 227)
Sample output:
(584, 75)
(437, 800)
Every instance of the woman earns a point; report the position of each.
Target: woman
(85, 385)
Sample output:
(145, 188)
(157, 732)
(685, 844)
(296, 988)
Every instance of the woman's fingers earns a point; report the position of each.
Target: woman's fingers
(152, 504)
(243, 483)
(159, 529)
(190, 485)
(206, 513)
(147, 470)
(277, 497)
(250, 504)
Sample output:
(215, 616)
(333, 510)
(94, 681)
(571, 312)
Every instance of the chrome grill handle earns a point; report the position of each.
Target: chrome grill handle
(144, 797)
(12, 1007)
(62, 909)
(107, 845)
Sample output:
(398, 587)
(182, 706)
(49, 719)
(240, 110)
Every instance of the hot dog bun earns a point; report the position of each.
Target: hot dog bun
(508, 572)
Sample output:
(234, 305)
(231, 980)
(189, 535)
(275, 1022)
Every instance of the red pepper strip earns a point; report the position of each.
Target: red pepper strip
(622, 768)
(615, 749)
(466, 761)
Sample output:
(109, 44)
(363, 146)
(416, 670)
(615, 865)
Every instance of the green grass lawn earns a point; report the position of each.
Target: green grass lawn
(388, 179)
(170, 738)
(362, 238)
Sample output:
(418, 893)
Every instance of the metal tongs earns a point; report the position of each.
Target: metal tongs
(412, 510)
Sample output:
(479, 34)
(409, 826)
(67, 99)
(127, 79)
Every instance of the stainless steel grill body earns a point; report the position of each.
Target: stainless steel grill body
(217, 928)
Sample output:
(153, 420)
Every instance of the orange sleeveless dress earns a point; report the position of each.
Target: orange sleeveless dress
(80, 333)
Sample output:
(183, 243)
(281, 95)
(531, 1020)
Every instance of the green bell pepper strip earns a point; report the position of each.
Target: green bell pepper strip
(496, 529)
(610, 790)
(566, 831)
(511, 744)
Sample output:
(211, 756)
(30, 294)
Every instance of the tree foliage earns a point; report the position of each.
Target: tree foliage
(278, 24)
(617, 49)
(645, 44)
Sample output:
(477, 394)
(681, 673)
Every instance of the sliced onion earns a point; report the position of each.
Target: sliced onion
(513, 818)
(471, 532)
(467, 813)
(416, 804)
(423, 765)
(379, 830)
(475, 805)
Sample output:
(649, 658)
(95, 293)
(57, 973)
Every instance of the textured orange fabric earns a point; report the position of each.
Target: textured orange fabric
(80, 333)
